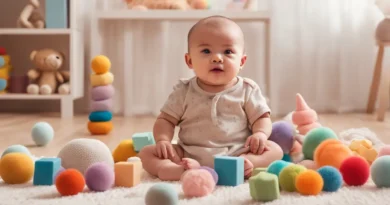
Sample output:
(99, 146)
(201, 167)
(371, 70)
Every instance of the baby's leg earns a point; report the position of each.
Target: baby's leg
(273, 153)
(166, 169)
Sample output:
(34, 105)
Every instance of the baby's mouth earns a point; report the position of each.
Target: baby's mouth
(217, 70)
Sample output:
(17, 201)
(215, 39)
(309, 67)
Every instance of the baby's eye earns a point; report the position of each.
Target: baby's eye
(228, 51)
(205, 51)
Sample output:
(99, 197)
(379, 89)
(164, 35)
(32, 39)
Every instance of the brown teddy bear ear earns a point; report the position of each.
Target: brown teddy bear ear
(33, 54)
(63, 55)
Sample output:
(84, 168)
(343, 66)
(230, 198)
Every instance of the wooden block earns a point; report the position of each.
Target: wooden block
(369, 154)
(258, 170)
(361, 149)
(264, 187)
(128, 174)
(142, 139)
(45, 170)
(355, 144)
(56, 13)
(230, 170)
(367, 143)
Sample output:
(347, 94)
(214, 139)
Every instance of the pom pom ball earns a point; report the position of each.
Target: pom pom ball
(276, 167)
(3, 84)
(332, 178)
(309, 164)
(309, 182)
(288, 175)
(283, 135)
(355, 171)
(161, 194)
(197, 183)
(2, 61)
(212, 172)
(16, 148)
(42, 133)
(380, 171)
(313, 138)
(133, 159)
(124, 151)
(100, 128)
(16, 168)
(385, 150)
(70, 182)
(100, 64)
(331, 152)
(99, 176)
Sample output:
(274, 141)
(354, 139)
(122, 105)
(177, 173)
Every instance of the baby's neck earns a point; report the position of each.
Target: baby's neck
(216, 88)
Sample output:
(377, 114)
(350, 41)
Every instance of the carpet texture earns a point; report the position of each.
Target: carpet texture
(42, 195)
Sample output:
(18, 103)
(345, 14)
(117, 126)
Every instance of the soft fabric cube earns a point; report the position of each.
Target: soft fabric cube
(100, 116)
(258, 170)
(230, 170)
(101, 79)
(264, 187)
(101, 105)
(45, 170)
(103, 92)
(128, 174)
(143, 139)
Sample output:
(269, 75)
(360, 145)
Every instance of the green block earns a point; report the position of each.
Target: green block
(258, 170)
(264, 187)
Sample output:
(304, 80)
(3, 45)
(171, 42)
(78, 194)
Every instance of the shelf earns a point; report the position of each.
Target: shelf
(23, 96)
(26, 31)
(181, 15)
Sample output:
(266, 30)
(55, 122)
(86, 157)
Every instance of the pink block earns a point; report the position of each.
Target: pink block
(102, 92)
(101, 105)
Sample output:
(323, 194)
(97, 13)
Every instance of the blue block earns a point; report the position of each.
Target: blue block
(45, 170)
(142, 139)
(56, 14)
(230, 170)
(100, 116)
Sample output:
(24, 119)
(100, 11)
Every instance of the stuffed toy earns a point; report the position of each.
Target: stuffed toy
(45, 78)
(166, 4)
(31, 17)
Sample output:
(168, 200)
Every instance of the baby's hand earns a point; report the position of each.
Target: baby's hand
(257, 142)
(164, 149)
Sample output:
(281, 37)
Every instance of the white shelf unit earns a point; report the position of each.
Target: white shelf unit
(104, 14)
(75, 58)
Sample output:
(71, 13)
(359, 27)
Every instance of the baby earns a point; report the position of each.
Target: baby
(218, 112)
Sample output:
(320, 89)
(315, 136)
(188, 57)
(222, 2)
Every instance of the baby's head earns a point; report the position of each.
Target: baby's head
(216, 50)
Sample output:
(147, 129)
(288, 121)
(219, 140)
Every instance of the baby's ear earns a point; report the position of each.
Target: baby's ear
(188, 60)
(243, 60)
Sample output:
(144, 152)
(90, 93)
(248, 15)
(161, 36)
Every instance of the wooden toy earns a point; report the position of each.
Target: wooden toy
(143, 139)
(230, 170)
(264, 187)
(45, 170)
(128, 174)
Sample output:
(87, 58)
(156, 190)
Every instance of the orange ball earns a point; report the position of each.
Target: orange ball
(70, 182)
(309, 182)
(331, 152)
(101, 64)
(100, 128)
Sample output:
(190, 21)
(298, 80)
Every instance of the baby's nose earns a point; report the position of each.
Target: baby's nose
(217, 59)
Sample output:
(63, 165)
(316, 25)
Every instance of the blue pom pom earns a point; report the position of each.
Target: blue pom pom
(380, 170)
(161, 193)
(332, 178)
(277, 166)
(42, 133)
(287, 158)
(16, 148)
(100, 116)
(3, 84)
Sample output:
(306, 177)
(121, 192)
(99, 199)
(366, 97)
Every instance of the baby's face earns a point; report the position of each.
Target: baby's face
(216, 54)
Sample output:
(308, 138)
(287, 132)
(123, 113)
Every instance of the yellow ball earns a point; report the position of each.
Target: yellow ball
(100, 64)
(123, 151)
(16, 168)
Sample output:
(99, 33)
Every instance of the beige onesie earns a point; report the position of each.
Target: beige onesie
(214, 123)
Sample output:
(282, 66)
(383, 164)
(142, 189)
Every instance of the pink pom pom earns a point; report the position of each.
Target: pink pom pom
(197, 183)
(385, 150)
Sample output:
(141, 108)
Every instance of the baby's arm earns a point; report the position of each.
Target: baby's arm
(163, 131)
(263, 124)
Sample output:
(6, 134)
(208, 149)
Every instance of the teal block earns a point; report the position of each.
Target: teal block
(264, 187)
(258, 170)
(230, 170)
(56, 14)
(142, 139)
(100, 116)
(45, 170)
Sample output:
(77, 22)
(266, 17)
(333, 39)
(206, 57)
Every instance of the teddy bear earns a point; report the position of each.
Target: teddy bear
(46, 78)
(166, 4)
(30, 16)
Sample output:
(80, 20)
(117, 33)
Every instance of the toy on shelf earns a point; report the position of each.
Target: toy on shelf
(304, 117)
(363, 148)
(31, 16)
(167, 4)
(102, 93)
(45, 78)
(5, 69)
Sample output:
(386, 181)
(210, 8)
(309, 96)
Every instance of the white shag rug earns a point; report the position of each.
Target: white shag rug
(42, 195)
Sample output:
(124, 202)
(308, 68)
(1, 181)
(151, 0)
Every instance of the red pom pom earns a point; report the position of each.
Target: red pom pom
(2, 51)
(355, 170)
(70, 182)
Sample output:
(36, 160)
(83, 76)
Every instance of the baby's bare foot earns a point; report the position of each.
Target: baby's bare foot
(189, 163)
(248, 168)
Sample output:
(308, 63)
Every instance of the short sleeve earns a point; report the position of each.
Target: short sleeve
(174, 105)
(255, 103)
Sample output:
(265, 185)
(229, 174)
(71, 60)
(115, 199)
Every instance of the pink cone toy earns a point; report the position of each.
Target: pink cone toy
(304, 117)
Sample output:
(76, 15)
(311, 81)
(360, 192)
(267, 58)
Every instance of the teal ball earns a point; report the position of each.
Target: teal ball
(42, 133)
(16, 148)
(313, 138)
(380, 170)
(100, 116)
(3, 84)
(161, 194)
(332, 178)
(277, 166)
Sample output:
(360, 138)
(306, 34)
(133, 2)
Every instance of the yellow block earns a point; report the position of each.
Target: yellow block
(357, 145)
(127, 174)
(369, 154)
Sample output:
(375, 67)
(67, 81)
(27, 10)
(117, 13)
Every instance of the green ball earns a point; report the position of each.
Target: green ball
(16, 148)
(287, 176)
(380, 170)
(42, 133)
(313, 138)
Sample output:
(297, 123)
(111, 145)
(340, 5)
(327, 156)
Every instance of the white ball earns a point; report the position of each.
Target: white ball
(42, 133)
(133, 159)
(81, 153)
